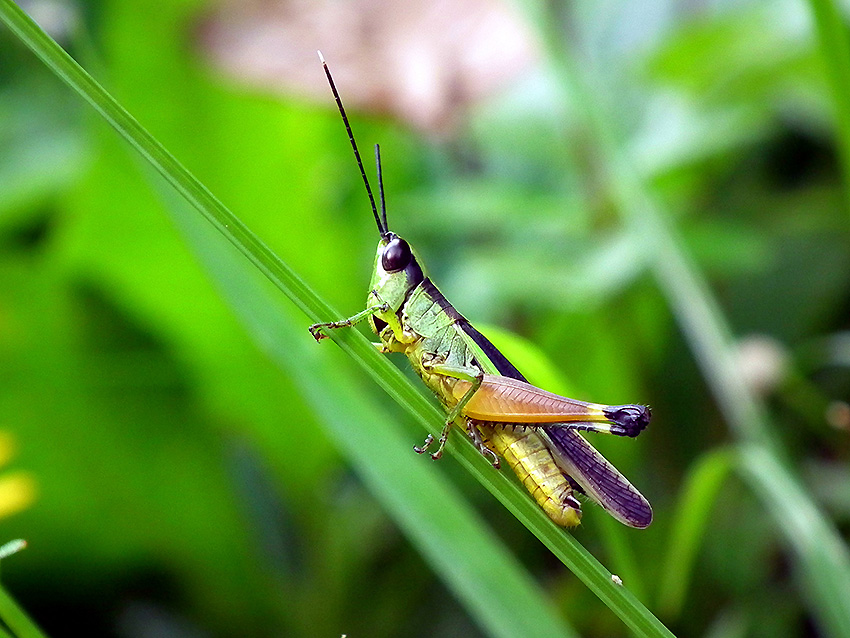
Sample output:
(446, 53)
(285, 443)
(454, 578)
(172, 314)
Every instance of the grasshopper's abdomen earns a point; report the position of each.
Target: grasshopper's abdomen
(533, 463)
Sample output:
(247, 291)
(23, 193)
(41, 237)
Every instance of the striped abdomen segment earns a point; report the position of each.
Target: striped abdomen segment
(535, 466)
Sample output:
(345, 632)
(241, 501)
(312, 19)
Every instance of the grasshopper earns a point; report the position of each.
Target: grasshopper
(536, 432)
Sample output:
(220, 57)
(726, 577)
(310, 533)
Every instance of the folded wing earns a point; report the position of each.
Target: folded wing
(600, 480)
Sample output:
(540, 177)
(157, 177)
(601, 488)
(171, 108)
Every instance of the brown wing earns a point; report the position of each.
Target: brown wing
(508, 400)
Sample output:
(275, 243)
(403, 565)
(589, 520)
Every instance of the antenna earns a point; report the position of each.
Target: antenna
(381, 186)
(382, 228)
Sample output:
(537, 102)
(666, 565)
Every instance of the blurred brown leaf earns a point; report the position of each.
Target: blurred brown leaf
(420, 61)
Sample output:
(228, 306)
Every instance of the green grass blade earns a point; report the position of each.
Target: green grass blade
(811, 538)
(15, 618)
(67, 69)
(691, 520)
(834, 45)
(564, 546)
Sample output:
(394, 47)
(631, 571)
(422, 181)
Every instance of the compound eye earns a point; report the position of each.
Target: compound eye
(397, 255)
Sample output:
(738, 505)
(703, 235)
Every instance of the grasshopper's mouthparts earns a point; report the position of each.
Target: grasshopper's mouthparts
(629, 419)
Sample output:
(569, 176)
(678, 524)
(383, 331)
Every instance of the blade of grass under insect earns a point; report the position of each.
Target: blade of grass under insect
(623, 555)
(563, 545)
(827, 562)
(16, 619)
(834, 47)
(476, 566)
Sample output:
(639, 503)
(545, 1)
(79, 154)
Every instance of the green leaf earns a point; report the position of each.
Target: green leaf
(15, 618)
(835, 52)
(698, 496)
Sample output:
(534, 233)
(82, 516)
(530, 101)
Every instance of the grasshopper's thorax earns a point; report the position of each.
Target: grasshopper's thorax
(413, 321)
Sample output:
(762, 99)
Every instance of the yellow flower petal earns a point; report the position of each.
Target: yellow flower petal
(17, 492)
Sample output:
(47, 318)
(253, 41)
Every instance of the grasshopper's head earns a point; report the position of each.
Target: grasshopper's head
(397, 270)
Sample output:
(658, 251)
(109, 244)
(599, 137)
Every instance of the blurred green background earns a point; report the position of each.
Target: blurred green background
(184, 483)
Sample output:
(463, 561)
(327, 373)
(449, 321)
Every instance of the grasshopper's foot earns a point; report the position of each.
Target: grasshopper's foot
(429, 440)
(317, 330)
(444, 436)
(421, 450)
